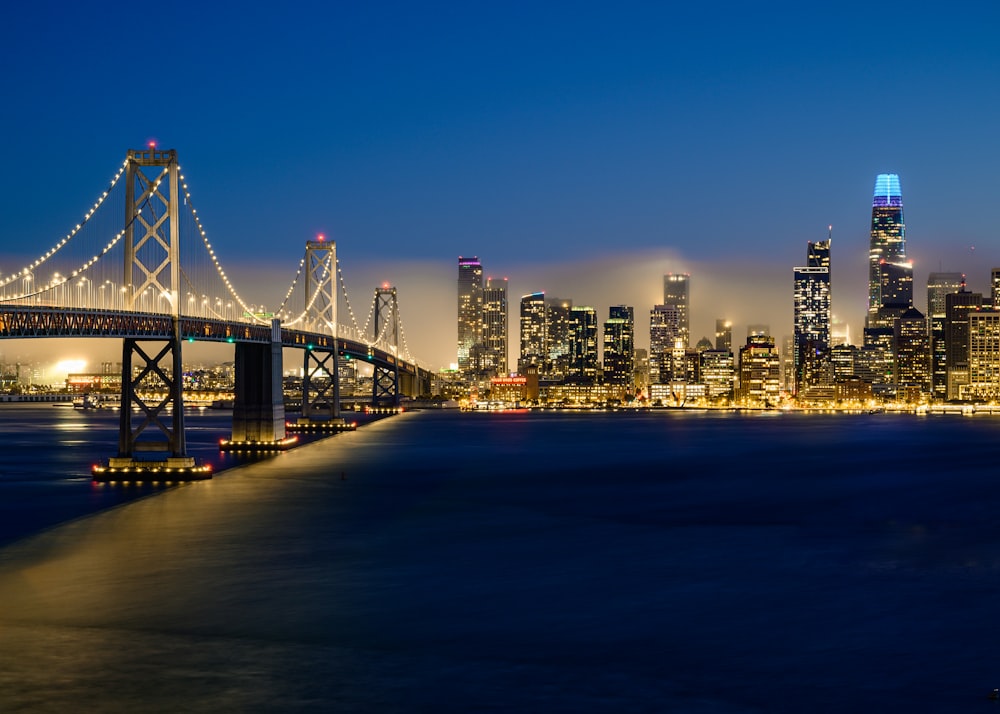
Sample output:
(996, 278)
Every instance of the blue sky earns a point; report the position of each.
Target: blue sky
(579, 148)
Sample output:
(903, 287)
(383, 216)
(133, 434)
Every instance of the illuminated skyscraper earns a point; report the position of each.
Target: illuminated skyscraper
(470, 313)
(583, 363)
(619, 347)
(676, 292)
(812, 315)
(890, 275)
(995, 288)
(759, 372)
(984, 356)
(724, 335)
(939, 285)
(913, 356)
(495, 327)
(534, 351)
(957, 337)
(557, 337)
(664, 340)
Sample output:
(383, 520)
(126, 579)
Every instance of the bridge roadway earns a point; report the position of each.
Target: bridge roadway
(25, 322)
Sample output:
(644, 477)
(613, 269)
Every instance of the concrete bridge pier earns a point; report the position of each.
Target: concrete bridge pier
(258, 404)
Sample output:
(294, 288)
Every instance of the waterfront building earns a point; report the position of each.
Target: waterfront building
(913, 356)
(470, 314)
(939, 285)
(812, 314)
(583, 363)
(665, 338)
(676, 292)
(494, 334)
(984, 357)
(842, 359)
(717, 374)
(559, 338)
(723, 335)
(534, 350)
(995, 288)
(956, 334)
(759, 372)
(619, 347)
(508, 390)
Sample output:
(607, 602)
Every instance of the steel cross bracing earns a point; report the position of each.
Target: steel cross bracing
(385, 378)
(321, 372)
(152, 255)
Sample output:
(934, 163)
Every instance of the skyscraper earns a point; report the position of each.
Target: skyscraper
(619, 347)
(470, 313)
(995, 288)
(495, 327)
(676, 289)
(939, 285)
(724, 335)
(890, 275)
(984, 356)
(664, 337)
(582, 366)
(557, 337)
(812, 315)
(913, 356)
(957, 337)
(534, 349)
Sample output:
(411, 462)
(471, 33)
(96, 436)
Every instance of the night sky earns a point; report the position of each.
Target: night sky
(579, 148)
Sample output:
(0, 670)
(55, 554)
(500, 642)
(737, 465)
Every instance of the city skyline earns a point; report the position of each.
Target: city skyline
(633, 142)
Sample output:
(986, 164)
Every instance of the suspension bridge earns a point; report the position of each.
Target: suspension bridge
(139, 267)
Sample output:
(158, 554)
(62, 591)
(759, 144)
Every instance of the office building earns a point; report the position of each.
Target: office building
(913, 356)
(940, 285)
(956, 335)
(619, 347)
(676, 292)
(583, 363)
(724, 335)
(559, 338)
(812, 315)
(890, 275)
(665, 338)
(984, 357)
(494, 335)
(534, 349)
(470, 314)
(760, 369)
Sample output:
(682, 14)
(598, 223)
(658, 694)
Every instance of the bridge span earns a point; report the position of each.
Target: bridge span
(139, 268)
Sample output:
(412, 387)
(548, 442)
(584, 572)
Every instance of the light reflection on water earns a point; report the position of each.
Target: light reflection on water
(538, 562)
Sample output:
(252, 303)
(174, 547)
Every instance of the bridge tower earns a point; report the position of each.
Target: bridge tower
(385, 380)
(321, 373)
(152, 266)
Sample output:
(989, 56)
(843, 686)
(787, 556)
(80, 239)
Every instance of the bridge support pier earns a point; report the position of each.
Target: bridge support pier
(321, 393)
(259, 405)
(139, 382)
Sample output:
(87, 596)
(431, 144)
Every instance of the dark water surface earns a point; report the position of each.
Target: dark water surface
(665, 561)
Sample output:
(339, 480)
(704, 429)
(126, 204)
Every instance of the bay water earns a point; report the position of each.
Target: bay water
(521, 561)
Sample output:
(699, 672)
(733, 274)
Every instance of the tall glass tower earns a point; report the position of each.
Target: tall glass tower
(470, 313)
(495, 327)
(812, 316)
(676, 292)
(890, 275)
